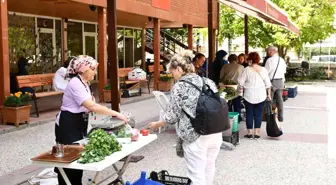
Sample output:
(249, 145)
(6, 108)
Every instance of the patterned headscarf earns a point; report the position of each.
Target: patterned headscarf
(80, 64)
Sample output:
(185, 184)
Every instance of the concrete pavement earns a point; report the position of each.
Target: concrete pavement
(299, 157)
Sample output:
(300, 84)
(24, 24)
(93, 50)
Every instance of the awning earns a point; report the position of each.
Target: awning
(263, 10)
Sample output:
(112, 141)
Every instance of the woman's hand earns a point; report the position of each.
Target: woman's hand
(122, 117)
(157, 124)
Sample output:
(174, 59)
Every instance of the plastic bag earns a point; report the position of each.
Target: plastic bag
(272, 128)
(137, 74)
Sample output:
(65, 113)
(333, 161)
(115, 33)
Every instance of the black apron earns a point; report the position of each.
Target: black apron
(72, 127)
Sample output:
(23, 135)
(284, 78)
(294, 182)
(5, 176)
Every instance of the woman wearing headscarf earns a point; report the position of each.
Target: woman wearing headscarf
(78, 101)
(217, 65)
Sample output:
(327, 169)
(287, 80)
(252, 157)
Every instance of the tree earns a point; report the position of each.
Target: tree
(314, 18)
(231, 25)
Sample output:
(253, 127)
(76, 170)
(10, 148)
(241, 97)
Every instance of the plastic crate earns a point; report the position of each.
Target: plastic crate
(234, 115)
(166, 179)
(228, 132)
(292, 91)
(233, 139)
(144, 181)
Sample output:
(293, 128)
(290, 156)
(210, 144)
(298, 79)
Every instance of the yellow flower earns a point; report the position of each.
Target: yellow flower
(11, 94)
(19, 92)
(17, 95)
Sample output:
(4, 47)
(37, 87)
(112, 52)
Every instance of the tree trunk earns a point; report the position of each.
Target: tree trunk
(282, 51)
(229, 44)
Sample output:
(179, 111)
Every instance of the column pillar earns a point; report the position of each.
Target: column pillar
(190, 37)
(156, 52)
(246, 34)
(113, 53)
(4, 52)
(102, 52)
(210, 36)
(143, 49)
(64, 39)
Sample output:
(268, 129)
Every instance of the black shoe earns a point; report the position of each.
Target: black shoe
(249, 136)
(256, 137)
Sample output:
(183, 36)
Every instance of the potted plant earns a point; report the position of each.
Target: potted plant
(107, 93)
(16, 109)
(165, 82)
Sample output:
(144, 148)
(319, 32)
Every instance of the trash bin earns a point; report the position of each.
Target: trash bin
(234, 116)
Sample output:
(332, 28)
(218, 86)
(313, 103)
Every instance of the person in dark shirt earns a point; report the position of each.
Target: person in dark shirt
(217, 65)
(198, 62)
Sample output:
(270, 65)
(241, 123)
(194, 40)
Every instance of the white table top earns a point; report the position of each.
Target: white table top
(127, 149)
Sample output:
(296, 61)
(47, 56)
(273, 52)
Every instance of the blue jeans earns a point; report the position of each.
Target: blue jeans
(253, 113)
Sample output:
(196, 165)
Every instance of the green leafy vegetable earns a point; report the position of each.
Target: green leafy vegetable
(122, 133)
(100, 145)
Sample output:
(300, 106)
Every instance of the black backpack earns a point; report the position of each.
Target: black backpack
(212, 115)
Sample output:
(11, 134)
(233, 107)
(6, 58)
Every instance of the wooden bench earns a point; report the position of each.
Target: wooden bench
(39, 80)
(123, 76)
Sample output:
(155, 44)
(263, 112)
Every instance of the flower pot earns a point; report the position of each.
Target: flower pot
(164, 86)
(107, 95)
(16, 115)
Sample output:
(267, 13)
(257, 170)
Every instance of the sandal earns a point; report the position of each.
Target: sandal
(256, 137)
(249, 136)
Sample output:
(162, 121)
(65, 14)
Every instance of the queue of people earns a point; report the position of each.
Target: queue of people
(260, 83)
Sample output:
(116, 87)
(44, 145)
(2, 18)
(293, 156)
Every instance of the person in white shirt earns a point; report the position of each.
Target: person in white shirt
(59, 81)
(256, 84)
(276, 67)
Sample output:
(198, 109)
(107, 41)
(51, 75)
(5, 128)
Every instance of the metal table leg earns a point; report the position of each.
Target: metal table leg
(65, 177)
(119, 173)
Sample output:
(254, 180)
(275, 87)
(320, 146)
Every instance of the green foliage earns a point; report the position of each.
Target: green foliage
(107, 87)
(123, 133)
(18, 99)
(230, 24)
(100, 145)
(314, 18)
(317, 74)
(166, 77)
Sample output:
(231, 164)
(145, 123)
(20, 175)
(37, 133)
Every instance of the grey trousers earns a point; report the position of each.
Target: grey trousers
(277, 89)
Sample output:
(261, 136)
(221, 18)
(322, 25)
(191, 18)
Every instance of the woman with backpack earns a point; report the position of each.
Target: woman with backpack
(257, 87)
(199, 151)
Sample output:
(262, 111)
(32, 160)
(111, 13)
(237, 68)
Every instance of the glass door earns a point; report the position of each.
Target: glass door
(46, 51)
(90, 46)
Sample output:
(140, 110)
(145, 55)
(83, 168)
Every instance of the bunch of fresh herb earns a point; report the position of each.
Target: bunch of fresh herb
(100, 145)
(123, 134)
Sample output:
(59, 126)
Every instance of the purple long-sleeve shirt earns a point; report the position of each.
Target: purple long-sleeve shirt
(74, 95)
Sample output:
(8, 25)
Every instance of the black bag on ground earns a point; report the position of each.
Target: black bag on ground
(212, 115)
(272, 128)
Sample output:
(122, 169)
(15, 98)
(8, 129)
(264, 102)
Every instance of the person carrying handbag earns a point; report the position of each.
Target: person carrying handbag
(276, 67)
(255, 82)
